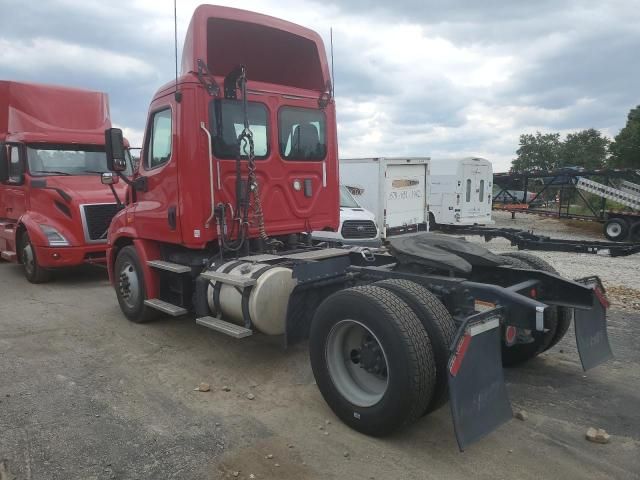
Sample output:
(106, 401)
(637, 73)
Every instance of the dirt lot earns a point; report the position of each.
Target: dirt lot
(84, 394)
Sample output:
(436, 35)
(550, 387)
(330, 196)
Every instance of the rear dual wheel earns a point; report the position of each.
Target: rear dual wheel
(556, 319)
(373, 359)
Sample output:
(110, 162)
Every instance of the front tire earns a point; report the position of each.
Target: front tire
(372, 359)
(130, 287)
(32, 269)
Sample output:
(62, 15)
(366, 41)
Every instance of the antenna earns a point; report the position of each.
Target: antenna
(177, 94)
(333, 79)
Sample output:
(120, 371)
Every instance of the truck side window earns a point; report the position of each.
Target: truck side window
(15, 166)
(227, 120)
(468, 196)
(159, 148)
(481, 195)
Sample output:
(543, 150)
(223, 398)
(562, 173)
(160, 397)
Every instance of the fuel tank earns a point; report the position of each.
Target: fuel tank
(265, 302)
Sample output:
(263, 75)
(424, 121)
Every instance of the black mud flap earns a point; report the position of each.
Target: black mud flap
(591, 336)
(477, 392)
(591, 327)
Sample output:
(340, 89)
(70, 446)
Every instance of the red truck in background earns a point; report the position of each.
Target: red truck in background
(54, 210)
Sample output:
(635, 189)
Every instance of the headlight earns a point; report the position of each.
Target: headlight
(54, 237)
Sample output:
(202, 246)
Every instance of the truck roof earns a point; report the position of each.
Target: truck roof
(226, 37)
(49, 113)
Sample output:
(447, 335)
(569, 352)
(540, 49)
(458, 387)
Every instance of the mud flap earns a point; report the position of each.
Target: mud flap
(591, 335)
(477, 392)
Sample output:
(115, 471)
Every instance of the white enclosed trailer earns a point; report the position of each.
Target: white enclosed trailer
(461, 191)
(396, 190)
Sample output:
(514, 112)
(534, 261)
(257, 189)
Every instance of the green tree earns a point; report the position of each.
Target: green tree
(537, 152)
(625, 149)
(587, 148)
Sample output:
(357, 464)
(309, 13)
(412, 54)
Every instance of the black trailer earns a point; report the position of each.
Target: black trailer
(574, 193)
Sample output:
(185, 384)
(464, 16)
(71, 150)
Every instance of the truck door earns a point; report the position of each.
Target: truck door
(13, 201)
(405, 188)
(156, 213)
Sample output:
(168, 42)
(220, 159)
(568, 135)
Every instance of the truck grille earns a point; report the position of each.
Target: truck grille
(96, 219)
(358, 229)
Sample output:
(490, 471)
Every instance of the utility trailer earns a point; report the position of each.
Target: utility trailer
(460, 191)
(561, 193)
(214, 227)
(396, 190)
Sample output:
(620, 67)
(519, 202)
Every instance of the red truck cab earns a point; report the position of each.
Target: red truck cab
(54, 210)
(186, 192)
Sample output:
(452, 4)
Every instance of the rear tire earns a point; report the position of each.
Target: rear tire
(523, 352)
(564, 315)
(439, 325)
(634, 232)
(32, 269)
(130, 287)
(351, 331)
(616, 229)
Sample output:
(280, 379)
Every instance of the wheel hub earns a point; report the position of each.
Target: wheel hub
(128, 284)
(371, 358)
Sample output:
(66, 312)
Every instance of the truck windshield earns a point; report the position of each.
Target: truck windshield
(302, 133)
(69, 160)
(227, 119)
(346, 199)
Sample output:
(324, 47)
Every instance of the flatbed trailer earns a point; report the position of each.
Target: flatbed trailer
(568, 186)
(525, 240)
(231, 178)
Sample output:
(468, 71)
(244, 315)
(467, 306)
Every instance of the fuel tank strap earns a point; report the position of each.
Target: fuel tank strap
(246, 294)
(218, 285)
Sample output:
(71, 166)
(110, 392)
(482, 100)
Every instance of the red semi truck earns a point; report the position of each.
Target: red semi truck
(54, 210)
(239, 160)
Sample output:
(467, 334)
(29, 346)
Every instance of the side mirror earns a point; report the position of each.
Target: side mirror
(114, 147)
(109, 178)
(4, 163)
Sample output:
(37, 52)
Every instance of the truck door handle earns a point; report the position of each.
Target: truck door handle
(171, 217)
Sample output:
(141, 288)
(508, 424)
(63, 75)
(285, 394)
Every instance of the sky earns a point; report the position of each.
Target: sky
(412, 77)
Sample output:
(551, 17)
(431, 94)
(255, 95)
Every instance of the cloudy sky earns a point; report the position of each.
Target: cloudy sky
(413, 77)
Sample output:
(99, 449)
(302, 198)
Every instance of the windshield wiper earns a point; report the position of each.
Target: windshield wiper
(52, 172)
(93, 171)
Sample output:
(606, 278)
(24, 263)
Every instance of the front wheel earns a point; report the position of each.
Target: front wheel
(130, 288)
(32, 269)
(372, 359)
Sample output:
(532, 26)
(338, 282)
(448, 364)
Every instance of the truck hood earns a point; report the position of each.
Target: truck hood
(82, 188)
(356, 214)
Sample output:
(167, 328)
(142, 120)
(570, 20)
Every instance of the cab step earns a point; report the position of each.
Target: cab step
(231, 329)
(229, 279)
(8, 256)
(165, 307)
(169, 266)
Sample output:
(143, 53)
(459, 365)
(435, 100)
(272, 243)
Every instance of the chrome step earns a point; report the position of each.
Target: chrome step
(169, 266)
(8, 256)
(231, 329)
(165, 307)
(229, 279)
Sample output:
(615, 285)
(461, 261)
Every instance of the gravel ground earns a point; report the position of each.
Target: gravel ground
(620, 275)
(87, 395)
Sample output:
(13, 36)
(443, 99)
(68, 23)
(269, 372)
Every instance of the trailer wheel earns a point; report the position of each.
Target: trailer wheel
(616, 229)
(32, 269)
(564, 315)
(372, 359)
(634, 232)
(438, 323)
(130, 288)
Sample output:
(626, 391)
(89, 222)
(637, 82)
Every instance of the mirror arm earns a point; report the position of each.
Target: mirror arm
(115, 195)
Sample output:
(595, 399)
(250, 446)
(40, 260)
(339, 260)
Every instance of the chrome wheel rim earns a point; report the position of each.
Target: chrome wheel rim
(129, 285)
(28, 259)
(357, 363)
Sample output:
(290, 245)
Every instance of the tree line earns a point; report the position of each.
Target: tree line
(587, 148)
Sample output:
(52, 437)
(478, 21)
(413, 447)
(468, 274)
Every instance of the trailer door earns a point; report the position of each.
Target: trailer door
(474, 189)
(405, 194)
